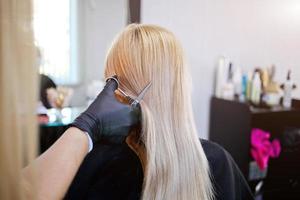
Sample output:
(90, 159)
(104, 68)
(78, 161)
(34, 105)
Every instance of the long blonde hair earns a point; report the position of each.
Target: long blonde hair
(176, 166)
(18, 90)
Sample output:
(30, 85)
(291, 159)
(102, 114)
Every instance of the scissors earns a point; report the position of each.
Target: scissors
(134, 102)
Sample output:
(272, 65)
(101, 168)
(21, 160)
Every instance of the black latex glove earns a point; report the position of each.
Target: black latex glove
(107, 118)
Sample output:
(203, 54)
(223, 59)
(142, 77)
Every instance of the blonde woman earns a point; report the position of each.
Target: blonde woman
(162, 158)
(165, 159)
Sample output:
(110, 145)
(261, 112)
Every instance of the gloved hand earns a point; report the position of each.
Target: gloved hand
(107, 118)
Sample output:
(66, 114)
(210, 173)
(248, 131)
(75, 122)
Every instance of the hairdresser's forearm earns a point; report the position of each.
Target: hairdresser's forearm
(56, 168)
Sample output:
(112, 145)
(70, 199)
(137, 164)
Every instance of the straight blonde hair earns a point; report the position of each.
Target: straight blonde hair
(18, 89)
(176, 167)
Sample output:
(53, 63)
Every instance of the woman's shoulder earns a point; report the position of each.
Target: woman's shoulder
(213, 151)
(228, 181)
(216, 155)
(105, 170)
(219, 159)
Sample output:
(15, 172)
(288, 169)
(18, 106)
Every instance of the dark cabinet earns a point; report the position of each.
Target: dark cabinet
(230, 126)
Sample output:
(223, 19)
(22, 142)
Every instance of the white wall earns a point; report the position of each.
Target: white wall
(99, 21)
(251, 33)
(102, 21)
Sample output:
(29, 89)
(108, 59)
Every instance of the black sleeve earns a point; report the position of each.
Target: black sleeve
(109, 172)
(229, 183)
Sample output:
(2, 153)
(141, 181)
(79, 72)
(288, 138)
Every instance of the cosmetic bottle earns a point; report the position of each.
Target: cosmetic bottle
(220, 77)
(249, 85)
(237, 81)
(287, 91)
(256, 88)
(244, 87)
(228, 87)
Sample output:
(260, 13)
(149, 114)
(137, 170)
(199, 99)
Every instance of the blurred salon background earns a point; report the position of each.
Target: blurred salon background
(245, 62)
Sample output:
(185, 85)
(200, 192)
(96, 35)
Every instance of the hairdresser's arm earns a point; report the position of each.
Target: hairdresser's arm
(106, 118)
(55, 169)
